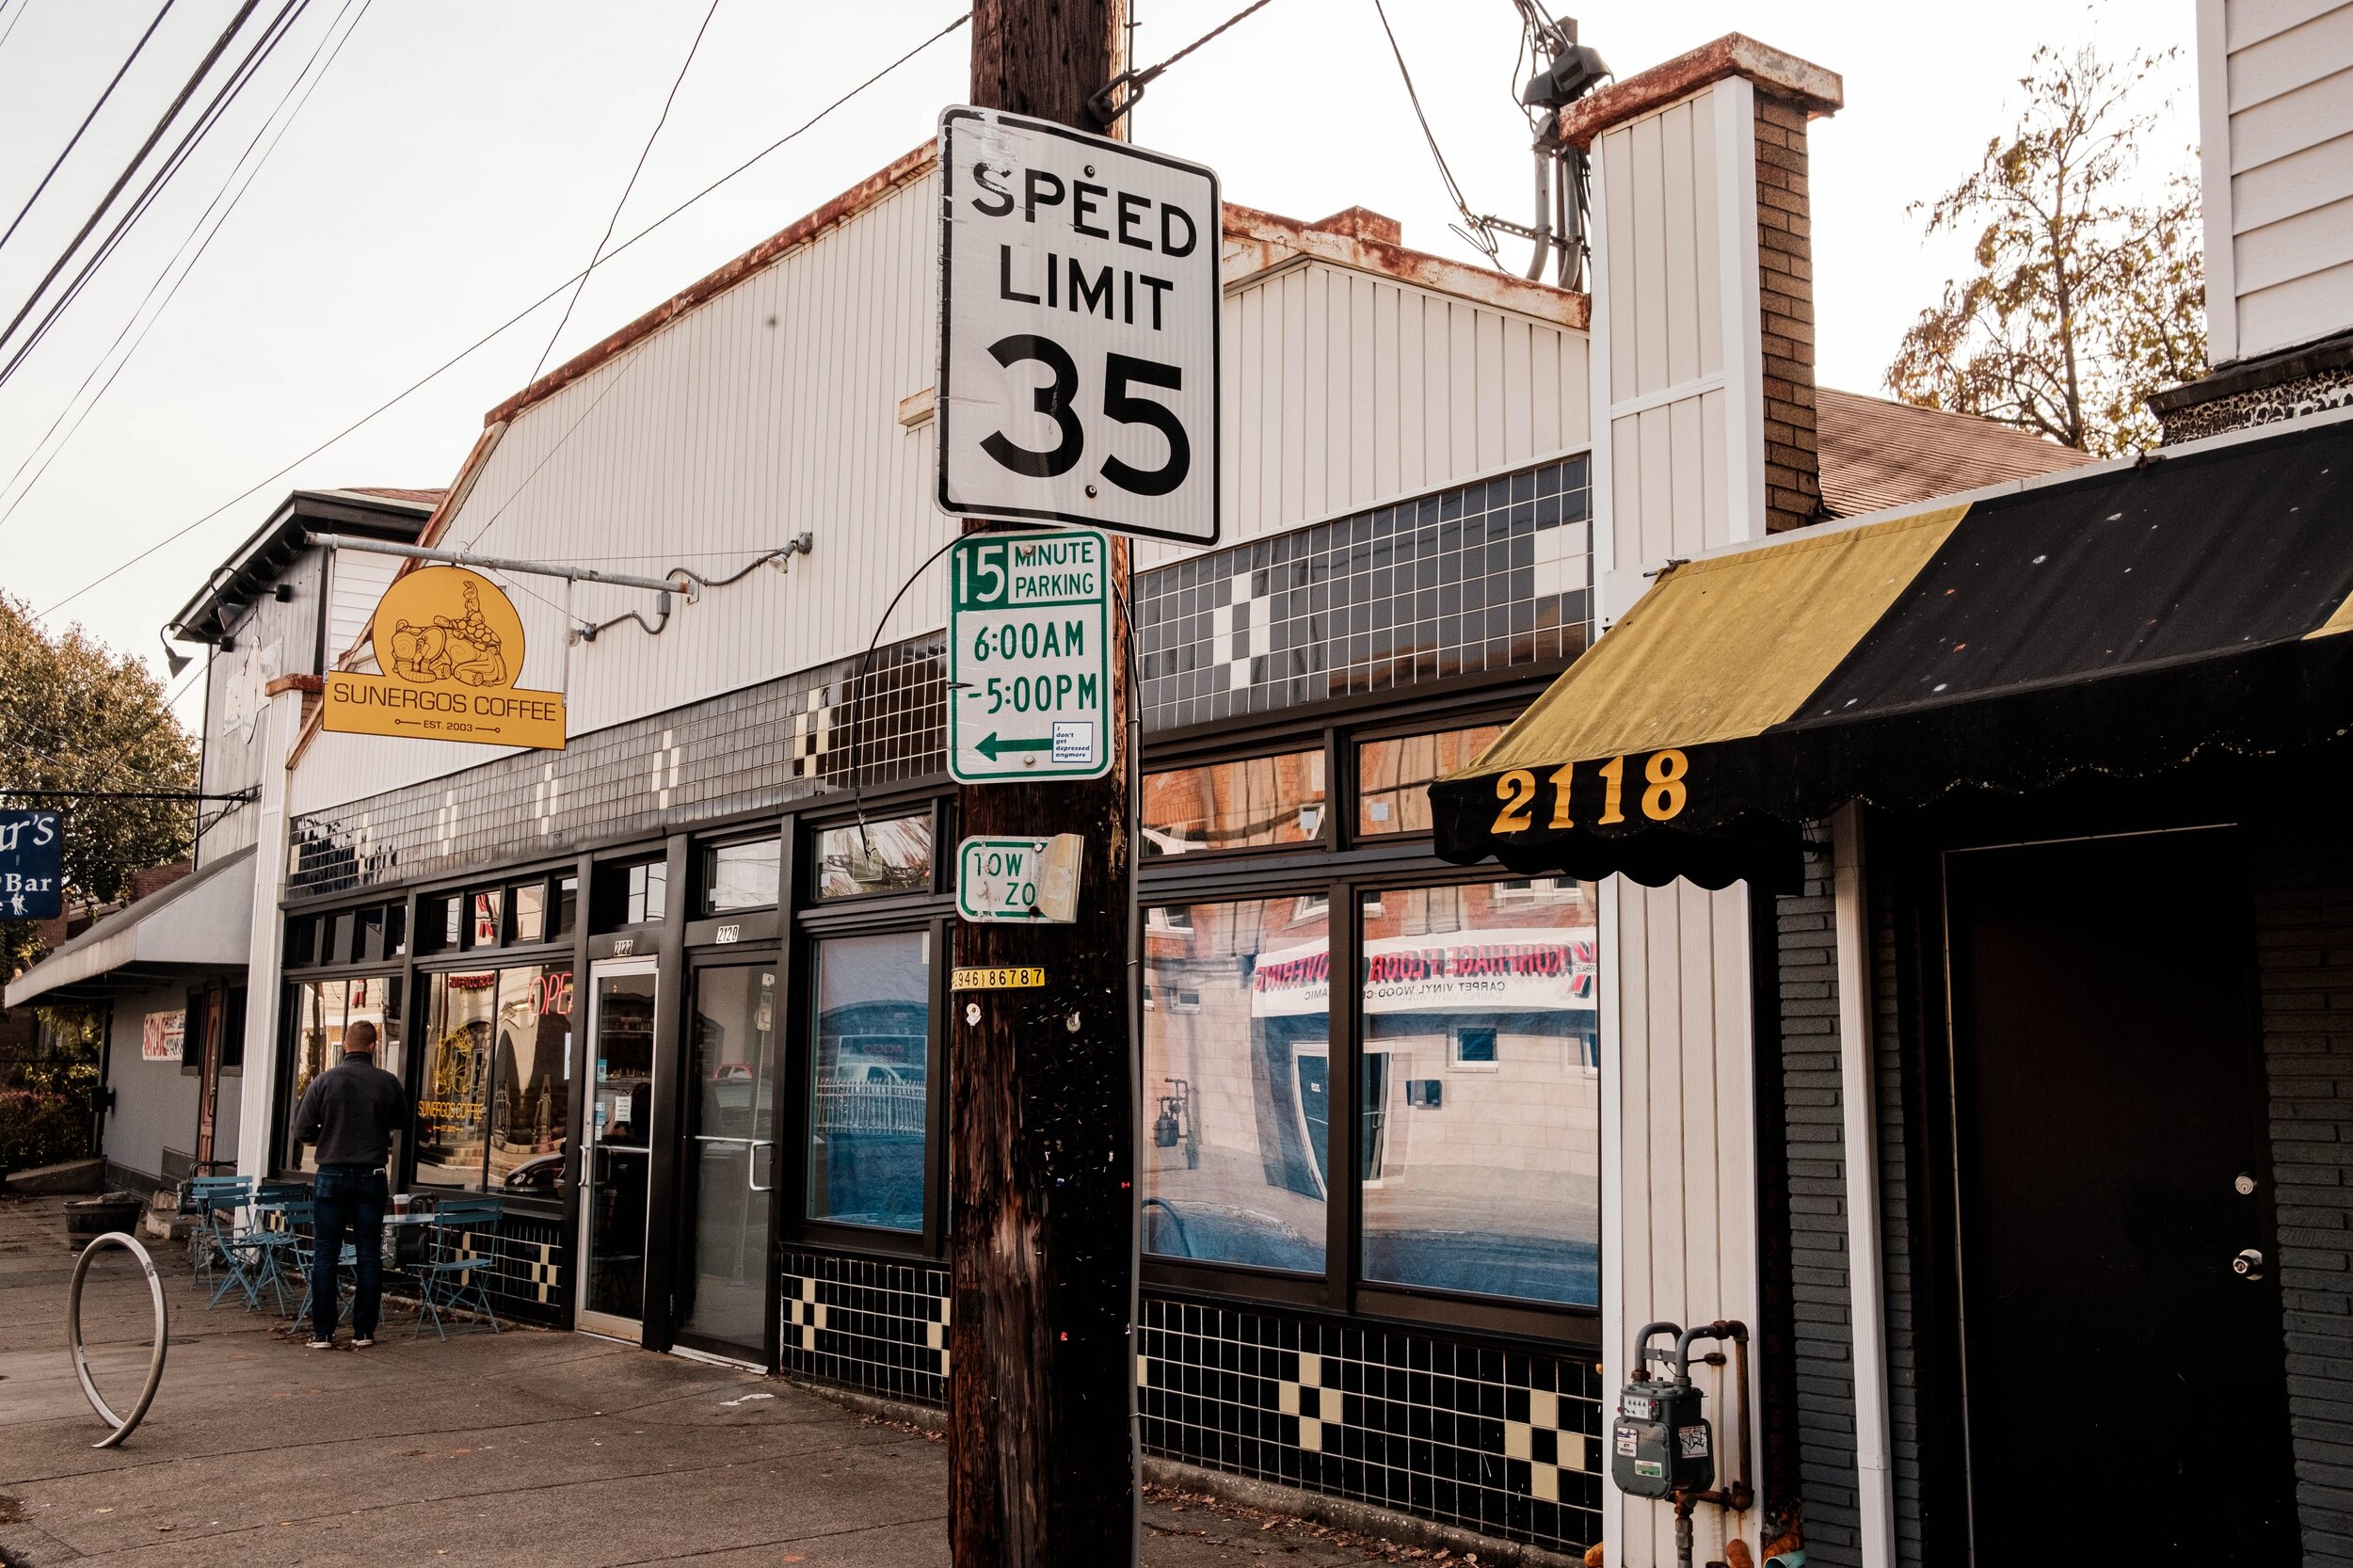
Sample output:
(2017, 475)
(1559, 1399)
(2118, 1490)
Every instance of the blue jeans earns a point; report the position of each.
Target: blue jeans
(348, 1204)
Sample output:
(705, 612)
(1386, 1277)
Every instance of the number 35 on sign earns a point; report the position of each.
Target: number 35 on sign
(1078, 345)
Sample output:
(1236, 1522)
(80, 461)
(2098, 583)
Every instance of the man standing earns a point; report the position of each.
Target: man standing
(349, 1113)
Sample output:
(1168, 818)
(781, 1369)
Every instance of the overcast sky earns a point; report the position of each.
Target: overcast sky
(461, 157)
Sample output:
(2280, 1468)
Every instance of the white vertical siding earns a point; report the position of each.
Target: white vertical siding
(2275, 90)
(1676, 1037)
(355, 582)
(773, 409)
(1344, 388)
(1677, 414)
(1678, 468)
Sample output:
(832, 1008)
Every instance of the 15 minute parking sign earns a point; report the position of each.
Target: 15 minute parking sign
(1078, 329)
(1029, 657)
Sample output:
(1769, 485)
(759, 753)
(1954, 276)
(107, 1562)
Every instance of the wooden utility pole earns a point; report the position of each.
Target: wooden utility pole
(1042, 1099)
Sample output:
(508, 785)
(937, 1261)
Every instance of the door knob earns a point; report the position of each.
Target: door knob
(2248, 1264)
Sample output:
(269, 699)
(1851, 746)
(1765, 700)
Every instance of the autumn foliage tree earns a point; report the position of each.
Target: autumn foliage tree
(76, 715)
(2086, 298)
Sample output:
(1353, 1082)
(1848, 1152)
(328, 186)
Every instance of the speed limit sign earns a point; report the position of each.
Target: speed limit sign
(1078, 337)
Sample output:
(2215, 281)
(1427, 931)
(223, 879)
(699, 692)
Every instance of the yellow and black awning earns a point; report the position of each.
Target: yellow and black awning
(2125, 623)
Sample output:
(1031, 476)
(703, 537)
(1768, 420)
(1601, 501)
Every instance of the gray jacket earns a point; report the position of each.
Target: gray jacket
(350, 1112)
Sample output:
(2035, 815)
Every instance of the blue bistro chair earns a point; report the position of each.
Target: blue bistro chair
(215, 1202)
(456, 1277)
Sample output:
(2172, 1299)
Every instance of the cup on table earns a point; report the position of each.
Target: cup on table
(400, 1202)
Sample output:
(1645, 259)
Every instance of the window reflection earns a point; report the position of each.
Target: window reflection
(530, 1079)
(1482, 1105)
(453, 1092)
(739, 876)
(867, 1081)
(1393, 777)
(1237, 1083)
(322, 1011)
(893, 855)
(1247, 803)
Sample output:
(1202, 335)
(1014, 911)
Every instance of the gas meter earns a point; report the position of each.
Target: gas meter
(1661, 1444)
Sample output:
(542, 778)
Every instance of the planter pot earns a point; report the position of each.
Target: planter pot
(87, 1218)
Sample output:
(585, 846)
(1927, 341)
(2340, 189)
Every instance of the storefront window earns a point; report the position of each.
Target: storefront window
(1249, 804)
(484, 932)
(1237, 1083)
(739, 876)
(530, 903)
(531, 1078)
(893, 855)
(453, 1092)
(1481, 1131)
(868, 1080)
(1393, 777)
(321, 1011)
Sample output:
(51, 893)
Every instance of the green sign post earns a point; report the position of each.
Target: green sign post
(1029, 657)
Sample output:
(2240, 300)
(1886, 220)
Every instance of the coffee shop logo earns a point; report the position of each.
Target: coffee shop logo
(451, 646)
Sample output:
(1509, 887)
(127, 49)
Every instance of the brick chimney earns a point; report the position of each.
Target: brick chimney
(1703, 335)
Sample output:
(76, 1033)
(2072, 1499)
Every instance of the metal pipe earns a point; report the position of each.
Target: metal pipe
(1875, 1486)
(499, 563)
(1543, 214)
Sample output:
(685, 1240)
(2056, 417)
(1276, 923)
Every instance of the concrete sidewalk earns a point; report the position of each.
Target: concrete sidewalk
(525, 1448)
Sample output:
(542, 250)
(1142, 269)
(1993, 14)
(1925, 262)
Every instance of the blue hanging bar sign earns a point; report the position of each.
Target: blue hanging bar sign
(32, 854)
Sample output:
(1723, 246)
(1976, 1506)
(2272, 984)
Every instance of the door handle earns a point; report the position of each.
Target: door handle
(751, 1163)
(2248, 1264)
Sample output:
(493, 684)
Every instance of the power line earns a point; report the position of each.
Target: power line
(76, 139)
(204, 68)
(239, 78)
(501, 329)
(643, 153)
(22, 6)
(132, 320)
(1478, 234)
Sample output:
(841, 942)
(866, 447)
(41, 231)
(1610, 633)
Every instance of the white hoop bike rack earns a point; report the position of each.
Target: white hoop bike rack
(122, 1424)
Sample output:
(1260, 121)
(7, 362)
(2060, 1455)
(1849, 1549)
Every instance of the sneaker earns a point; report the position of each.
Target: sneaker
(322, 1344)
(361, 1341)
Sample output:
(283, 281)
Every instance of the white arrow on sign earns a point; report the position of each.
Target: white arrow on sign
(1078, 329)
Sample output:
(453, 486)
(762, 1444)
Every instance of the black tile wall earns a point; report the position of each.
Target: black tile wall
(870, 1324)
(762, 745)
(1483, 578)
(1504, 1442)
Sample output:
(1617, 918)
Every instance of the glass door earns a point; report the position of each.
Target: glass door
(727, 1162)
(616, 1160)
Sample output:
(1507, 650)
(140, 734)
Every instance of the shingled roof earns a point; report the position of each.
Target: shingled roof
(1877, 453)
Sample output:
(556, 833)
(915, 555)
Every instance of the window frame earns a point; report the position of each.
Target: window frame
(1342, 867)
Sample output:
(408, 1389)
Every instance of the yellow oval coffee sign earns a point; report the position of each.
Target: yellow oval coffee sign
(451, 648)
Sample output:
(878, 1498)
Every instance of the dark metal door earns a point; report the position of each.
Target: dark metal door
(726, 1284)
(2126, 1397)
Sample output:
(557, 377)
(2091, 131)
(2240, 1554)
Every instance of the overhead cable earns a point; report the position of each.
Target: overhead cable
(597, 254)
(1107, 114)
(198, 228)
(1476, 234)
(76, 139)
(195, 80)
(501, 329)
(228, 93)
